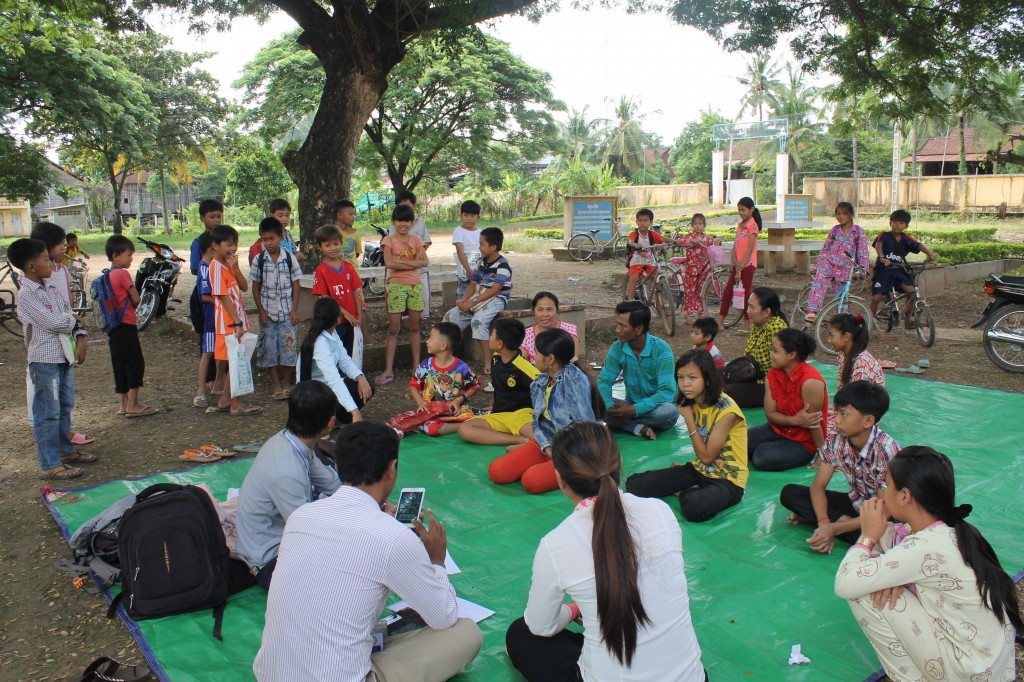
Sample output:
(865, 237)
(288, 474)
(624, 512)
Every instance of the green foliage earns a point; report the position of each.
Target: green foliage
(623, 138)
(538, 216)
(471, 105)
(211, 183)
(691, 153)
(544, 234)
(655, 174)
(257, 176)
(248, 215)
(956, 254)
(24, 171)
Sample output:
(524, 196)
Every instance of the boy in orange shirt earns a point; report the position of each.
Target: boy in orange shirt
(226, 285)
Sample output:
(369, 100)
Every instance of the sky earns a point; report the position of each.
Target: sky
(594, 58)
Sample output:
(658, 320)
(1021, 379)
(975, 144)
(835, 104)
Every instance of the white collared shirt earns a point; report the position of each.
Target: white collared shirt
(339, 558)
(667, 648)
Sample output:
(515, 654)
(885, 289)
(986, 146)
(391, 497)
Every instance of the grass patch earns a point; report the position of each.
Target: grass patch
(520, 243)
(162, 326)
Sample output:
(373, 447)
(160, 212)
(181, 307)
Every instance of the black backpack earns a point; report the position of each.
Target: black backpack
(173, 555)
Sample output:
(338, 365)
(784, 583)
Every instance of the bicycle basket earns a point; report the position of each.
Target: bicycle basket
(719, 256)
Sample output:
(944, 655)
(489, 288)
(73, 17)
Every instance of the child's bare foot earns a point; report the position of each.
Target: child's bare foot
(648, 433)
(796, 519)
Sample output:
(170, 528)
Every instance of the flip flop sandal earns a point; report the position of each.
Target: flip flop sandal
(924, 364)
(247, 411)
(200, 401)
(79, 457)
(887, 364)
(109, 670)
(65, 473)
(280, 395)
(216, 450)
(251, 447)
(214, 409)
(383, 380)
(913, 369)
(192, 455)
(81, 439)
(150, 410)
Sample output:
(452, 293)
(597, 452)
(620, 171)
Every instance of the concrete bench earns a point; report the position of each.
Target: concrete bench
(802, 254)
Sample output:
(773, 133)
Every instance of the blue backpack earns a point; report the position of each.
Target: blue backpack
(107, 313)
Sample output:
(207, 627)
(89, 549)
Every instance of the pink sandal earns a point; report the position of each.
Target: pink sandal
(81, 439)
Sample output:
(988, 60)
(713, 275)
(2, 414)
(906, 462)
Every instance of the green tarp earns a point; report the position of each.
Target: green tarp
(755, 589)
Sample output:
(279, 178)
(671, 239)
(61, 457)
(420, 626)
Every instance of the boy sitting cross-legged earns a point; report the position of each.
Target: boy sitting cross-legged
(511, 420)
(443, 377)
(861, 451)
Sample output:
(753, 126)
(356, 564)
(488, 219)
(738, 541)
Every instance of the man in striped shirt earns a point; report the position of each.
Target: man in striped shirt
(339, 559)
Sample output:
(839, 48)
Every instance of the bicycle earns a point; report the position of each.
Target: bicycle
(79, 270)
(582, 246)
(843, 302)
(8, 302)
(711, 288)
(860, 288)
(654, 291)
(889, 312)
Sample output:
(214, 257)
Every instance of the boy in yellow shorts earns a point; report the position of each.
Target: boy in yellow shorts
(511, 420)
(404, 254)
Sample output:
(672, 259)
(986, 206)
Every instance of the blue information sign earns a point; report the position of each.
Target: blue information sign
(799, 207)
(594, 214)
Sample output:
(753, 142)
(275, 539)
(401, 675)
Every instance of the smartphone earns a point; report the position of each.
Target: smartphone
(410, 503)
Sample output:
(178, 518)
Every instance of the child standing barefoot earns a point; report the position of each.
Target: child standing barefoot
(404, 254)
(744, 259)
(125, 350)
(697, 266)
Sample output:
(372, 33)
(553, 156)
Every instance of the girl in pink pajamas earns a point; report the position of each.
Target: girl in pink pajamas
(832, 268)
(698, 267)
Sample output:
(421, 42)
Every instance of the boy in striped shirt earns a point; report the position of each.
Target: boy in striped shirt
(226, 286)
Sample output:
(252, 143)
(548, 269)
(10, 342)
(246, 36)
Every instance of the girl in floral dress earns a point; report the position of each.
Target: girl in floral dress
(697, 266)
(832, 268)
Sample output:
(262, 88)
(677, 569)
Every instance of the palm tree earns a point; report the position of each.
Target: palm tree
(578, 134)
(796, 102)
(760, 83)
(623, 139)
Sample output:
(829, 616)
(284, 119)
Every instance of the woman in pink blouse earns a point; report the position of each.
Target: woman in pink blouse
(545, 312)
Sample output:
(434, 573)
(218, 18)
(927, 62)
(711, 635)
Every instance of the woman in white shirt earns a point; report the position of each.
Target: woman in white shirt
(933, 600)
(620, 560)
(323, 357)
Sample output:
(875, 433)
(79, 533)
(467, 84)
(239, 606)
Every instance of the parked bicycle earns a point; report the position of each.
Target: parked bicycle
(583, 246)
(654, 291)
(79, 270)
(860, 287)
(919, 316)
(843, 302)
(8, 301)
(712, 285)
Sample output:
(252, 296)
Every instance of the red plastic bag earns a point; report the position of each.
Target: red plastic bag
(407, 421)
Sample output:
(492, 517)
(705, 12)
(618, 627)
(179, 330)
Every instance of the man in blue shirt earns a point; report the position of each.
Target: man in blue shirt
(648, 371)
(285, 476)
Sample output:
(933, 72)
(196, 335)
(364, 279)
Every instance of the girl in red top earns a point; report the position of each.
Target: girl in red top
(744, 259)
(796, 405)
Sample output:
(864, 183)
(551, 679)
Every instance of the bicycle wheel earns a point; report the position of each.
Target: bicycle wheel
(661, 296)
(925, 324)
(581, 247)
(711, 296)
(618, 247)
(79, 299)
(851, 305)
(800, 309)
(8, 318)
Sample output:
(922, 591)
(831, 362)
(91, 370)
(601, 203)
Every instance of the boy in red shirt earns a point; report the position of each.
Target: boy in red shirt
(125, 349)
(226, 286)
(642, 261)
(337, 278)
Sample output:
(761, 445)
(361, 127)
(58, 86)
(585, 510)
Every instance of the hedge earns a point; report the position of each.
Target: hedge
(544, 234)
(957, 254)
(529, 218)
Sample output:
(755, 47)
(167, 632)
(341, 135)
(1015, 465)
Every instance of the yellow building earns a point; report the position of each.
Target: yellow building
(15, 217)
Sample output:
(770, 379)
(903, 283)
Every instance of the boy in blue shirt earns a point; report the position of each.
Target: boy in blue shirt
(892, 249)
(211, 214)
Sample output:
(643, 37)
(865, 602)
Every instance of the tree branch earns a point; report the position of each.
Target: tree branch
(306, 13)
(468, 14)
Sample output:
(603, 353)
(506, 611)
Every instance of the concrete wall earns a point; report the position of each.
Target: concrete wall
(940, 194)
(15, 218)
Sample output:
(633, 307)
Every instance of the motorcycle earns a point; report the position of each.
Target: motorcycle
(373, 257)
(155, 282)
(1003, 318)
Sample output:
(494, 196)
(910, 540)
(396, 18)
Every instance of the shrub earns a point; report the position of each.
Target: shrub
(957, 254)
(539, 216)
(544, 234)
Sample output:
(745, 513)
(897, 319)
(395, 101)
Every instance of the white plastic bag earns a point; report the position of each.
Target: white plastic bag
(357, 346)
(240, 363)
(30, 393)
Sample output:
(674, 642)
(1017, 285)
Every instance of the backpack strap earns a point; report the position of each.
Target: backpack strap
(112, 610)
(218, 619)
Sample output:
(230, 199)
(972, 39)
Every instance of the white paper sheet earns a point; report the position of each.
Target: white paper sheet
(450, 565)
(467, 609)
(232, 493)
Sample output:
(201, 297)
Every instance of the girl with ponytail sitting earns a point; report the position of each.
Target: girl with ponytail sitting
(620, 560)
(323, 357)
(848, 336)
(563, 393)
(929, 593)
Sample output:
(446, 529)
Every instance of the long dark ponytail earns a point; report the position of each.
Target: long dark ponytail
(845, 323)
(326, 313)
(756, 214)
(587, 458)
(929, 477)
(560, 343)
(769, 299)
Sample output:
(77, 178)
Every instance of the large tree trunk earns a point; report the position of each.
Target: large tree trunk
(322, 168)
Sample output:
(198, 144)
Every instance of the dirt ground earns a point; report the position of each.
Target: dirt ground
(49, 631)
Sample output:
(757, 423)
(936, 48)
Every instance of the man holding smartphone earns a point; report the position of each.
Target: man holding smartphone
(339, 559)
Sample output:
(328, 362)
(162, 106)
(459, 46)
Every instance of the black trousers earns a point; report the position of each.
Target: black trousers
(749, 394)
(546, 659)
(343, 416)
(700, 497)
(768, 451)
(266, 574)
(126, 358)
(797, 499)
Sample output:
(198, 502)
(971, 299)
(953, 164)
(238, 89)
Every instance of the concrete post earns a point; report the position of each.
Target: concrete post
(781, 185)
(718, 178)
